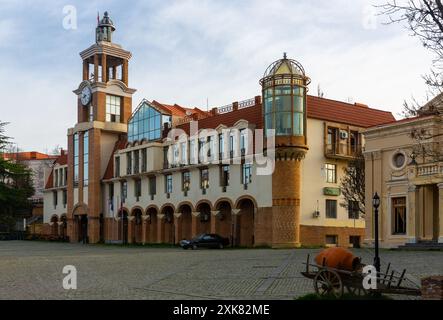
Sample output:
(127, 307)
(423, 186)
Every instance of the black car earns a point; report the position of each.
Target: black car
(205, 240)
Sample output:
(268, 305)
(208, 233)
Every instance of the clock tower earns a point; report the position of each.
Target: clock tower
(104, 105)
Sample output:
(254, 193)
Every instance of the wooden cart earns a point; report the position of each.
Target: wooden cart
(331, 281)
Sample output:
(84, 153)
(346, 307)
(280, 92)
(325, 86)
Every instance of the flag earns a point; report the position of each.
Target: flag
(98, 18)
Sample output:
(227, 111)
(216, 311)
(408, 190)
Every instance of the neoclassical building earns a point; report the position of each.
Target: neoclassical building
(262, 171)
(404, 166)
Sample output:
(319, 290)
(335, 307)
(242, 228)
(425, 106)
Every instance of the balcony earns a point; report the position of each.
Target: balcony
(343, 151)
(427, 170)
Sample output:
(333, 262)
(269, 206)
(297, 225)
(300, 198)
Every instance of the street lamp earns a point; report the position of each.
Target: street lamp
(376, 204)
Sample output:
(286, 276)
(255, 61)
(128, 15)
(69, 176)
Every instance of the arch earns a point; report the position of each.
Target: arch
(242, 198)
(245, 229)
(221, 200)
(137, 208)
(241, 124)
(163, 207)
(185, 203)
(203, 201)
(80, 209)
(151, 207)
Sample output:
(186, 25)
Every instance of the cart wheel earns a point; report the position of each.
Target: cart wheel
(360, 292)
(328, 282)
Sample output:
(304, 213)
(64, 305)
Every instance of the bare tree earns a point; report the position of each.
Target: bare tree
(352, 186)
(424, 18)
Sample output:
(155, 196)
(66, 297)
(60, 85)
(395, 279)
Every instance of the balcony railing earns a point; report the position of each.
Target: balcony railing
(342, 150)
(430, 169)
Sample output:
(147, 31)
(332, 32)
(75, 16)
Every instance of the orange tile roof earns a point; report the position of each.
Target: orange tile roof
(342, 112)
(28, 155)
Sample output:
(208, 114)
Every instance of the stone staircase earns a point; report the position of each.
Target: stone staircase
(422, 245)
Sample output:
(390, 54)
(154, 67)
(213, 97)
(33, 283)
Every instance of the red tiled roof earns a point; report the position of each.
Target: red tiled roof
(62, 159)
(49, 183)
(352, 114)
(177, 110)
(120, 144)
(29, 155)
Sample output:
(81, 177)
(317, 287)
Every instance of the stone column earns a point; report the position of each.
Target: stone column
(125, 72)
(178, 230)
(144, 226)
(195, 222)
(214, 221)
(104, 69)
(114, 72)
(235, 216)
(412, 214)
(160, 227)
(85, 70)
(130, 229)
(93, 229)
(440, 212)
(96, 68)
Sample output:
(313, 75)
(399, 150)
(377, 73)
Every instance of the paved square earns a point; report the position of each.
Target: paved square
(33, 270)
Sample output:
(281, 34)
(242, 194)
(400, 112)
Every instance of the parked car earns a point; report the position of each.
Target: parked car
(205, 240)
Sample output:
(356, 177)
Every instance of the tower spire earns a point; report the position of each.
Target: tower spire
(105, 28)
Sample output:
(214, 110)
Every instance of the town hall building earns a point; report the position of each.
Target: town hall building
(166, 172)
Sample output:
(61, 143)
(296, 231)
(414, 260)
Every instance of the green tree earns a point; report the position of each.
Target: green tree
(15, 184)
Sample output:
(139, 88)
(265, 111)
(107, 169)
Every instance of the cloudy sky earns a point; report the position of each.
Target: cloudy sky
(186, 52)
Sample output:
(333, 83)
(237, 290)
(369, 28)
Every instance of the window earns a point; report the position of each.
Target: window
(146, 123)
(186, 180)
(201, 148)
(353, 210)
(221, 145)
(65, 172)
(65, 198)
(284, 110)
(246, 173)
(165, 157)
(243, 141)
(144, 158)
(331, 173)
(398, 160)
(136, 161)
(56, 177)
(210, 147)
(54, 198)
(85, 158)
(231, 144)
(117, 167)
(129, 162)
(224, 175)
(152, 186)
(137, 188)
(60, 177)
(331, 209)
(331, 239)
(168, 183)
(183, 153)
(111, 191)
(176, 153)
(76, 149)
(204, 178)
(113, 106)
(124, 190)
(331, 140)
(354, 141)
(192, 159)
(399, 215)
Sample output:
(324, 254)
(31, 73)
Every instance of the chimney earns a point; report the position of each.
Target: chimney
(62, 152)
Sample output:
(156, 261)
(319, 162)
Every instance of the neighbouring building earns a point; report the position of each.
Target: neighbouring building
(404, 166)
(167, 172)
(40, 164)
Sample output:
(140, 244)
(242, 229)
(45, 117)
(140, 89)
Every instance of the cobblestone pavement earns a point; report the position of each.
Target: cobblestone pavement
(33, 270)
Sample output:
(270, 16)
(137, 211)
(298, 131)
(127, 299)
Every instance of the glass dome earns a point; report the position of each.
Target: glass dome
(285, 65)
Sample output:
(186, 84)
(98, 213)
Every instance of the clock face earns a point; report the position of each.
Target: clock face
(85, 96)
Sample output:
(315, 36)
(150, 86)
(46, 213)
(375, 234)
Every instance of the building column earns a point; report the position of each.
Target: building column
(144, 226)
(93, 229)
(130, 229)
(104, 69)
(96, 68)
(214, 221)
(85, 70)
(235, 216)
(440, 212)
(125, 72)
(178, 229)
(160, 227)
(412, 225)
(195, 222)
